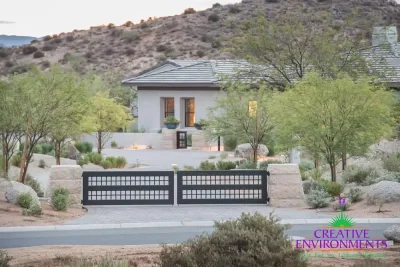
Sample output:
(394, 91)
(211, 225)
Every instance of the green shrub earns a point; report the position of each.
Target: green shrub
(250, 165)
(264, 164)
(34, 210)
(130, 36)
(60, 199)
(213, 17)
(315, 174)
(333, 189)
(189, 10)
(46, 148)
(95, 158)
(35, 185)
(42, 164)
(188, 168)
(25, 200)
(355, 194)
(310, 185)
(121, 162)
(4, 259)
(234, 10)
(47, 38)
(37, 149)
(306, 165)
(113, 161)
(317, 199)
(207, 166)
(392, 162)
(114, 144)
(251, 240)
(368, 262)
(29, 49)
(16, 160)
(106, 164)
(225, 165)
(212, 157)
(38, 54)
(356, 174)
(82, 160)
(216, 5)
(223, 155)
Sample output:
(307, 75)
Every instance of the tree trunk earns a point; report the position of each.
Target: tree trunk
(255, 154)
(344, 161)
(99, 142)
(25, 170)
(332, 165)
(22, 172)
(57, 147)
(5, 167)
(316, 164)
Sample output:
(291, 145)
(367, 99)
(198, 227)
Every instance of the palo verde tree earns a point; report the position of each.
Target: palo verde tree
(330, 116)
(285, 48)
(107, 116)
(242, 114)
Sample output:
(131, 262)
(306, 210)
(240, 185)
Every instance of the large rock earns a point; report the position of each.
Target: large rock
(246, 151)
(393, 233)
(73, 153)
(4, 184)
(384, 192)
(14, 189)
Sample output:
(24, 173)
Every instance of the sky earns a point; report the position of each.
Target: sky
(45, 17)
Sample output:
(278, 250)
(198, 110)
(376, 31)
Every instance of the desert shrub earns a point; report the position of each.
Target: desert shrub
(47, 48)
(189, 10)
(212, 157)
(315, 174)
(38, 54)
(250, 165)
(69, 38)
(29, 49)
(207, 166)
(34, 41)
(355, 194)
(317, 199)
(200, 53)
(251, 240)
(113, 161)
(60, 199)
(306, 165)
(213, 17)
(114, 144)
(106, 164)
(264, 164)
(272, 1)
(95, 158)
(130, 52)
(109, 51)
(110, 25)
(188, 168)
(47, 38)
(120, 162)
(116, 32)
(56, 40)
(8, 64)
(234, 10)
(223, 155)
(128, 24)
(310, 185)
(4, 259)
(356, 174)
(368, 262)
(46, 148)
(216, 5)
(89, 54)
(189, 140)
(25, 200)
(3, 53)
(333, 189)
(216, 43)
(19, 69)
(392, 162)
(163, 48)
(130, 36)
(82, 160)
(35, 185)
(345, 207)
(34, 210)
(16, 160)
(230, 143)
(225, 165)
(84, 147)
(42, 164)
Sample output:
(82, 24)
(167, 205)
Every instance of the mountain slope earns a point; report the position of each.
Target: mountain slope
(129, 49)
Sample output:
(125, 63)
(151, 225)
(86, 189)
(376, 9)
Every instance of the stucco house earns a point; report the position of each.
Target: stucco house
(187, 88)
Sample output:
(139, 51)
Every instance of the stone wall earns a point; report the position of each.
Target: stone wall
(168, 139)
(284, 186)
(199, 140)
(69, 177)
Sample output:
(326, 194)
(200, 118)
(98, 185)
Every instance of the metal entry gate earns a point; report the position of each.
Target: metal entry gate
(222, 187)
(181, 139)
(128, 187)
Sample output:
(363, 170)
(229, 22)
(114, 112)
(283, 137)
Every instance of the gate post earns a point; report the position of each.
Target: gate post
(168, 139)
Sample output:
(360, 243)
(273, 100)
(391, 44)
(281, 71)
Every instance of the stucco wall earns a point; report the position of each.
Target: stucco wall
(129, 139)
(151, 114)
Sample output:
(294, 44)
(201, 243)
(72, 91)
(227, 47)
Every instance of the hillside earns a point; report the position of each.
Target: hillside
(129, 48)
(14, 40)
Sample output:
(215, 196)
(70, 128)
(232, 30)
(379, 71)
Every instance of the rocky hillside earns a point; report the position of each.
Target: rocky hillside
(130, 48)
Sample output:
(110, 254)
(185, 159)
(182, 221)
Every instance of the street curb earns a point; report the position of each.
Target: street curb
(68, 227)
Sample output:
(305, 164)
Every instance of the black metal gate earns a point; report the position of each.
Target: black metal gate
(222, 187)
(128, 187)
(181, 139)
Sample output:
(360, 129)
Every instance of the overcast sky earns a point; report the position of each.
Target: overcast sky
(42, 17)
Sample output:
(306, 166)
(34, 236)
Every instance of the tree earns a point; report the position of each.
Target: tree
(242, 114)
(331, 116)
(285, 49)
(69, 122)
(107, 115)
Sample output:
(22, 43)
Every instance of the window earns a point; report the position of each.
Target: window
(169, 108)
(189, 112)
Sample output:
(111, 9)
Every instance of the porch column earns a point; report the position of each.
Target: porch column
(177, 106)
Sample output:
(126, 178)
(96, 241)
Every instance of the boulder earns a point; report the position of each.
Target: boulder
(4, 184)
(385, 192)
(73, 153)
(246, 151)
(14, 189)
(393, 233)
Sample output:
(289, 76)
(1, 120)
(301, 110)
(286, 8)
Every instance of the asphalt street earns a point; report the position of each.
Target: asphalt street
(141, 236)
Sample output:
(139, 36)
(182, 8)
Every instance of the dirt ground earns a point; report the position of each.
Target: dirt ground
(146, 256)
(11, 215)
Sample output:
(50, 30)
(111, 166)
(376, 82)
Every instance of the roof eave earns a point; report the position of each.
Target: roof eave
(178, 85)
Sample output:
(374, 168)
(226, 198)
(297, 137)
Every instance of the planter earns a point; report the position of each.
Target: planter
(198, 126)
(171, 126)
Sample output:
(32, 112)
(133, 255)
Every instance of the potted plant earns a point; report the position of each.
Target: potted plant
(200, 125)
(171, 122)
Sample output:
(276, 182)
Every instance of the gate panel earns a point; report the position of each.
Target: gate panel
(181, 139)
(222, 187)
(128, 187)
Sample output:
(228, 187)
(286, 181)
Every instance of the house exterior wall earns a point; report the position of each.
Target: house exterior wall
(151, 112)
(128, 139)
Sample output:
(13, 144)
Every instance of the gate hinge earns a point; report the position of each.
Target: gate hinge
(268, 173)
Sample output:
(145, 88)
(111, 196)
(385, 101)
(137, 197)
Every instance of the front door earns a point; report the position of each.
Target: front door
(181, 139)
